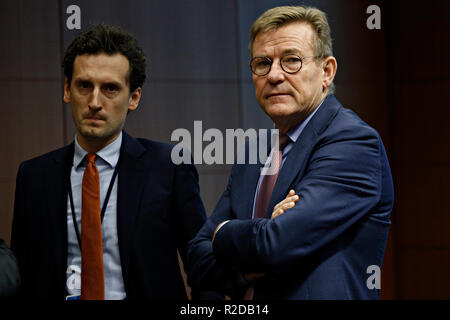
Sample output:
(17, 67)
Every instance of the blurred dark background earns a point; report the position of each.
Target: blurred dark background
(396, 78)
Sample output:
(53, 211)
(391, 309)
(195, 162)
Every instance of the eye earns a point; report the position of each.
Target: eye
(260, 65)
(85, 85)
(111, 87)
(291, 59)
(263, 63)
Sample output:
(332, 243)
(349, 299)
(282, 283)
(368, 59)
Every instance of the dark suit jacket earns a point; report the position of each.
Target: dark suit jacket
(158, 211)
(321, 248)
(9, 272)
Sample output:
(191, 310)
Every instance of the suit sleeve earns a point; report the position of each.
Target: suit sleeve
(188, 204)
(190, 218)
(204, 269)
(9, 272)
(341, 185)
(18, 234)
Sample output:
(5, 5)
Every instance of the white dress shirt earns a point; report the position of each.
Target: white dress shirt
(106, 161)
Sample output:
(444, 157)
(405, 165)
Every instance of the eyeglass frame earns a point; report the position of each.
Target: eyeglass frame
(281, 65)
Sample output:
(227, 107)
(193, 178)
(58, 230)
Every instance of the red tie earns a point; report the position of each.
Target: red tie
(268, 183)
(92, 280)
(265, 192)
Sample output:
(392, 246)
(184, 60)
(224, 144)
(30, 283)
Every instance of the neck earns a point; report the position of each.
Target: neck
(287, 123)
(284, 124)
(93, 145)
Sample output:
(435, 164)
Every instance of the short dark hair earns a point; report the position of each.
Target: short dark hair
(108, 39)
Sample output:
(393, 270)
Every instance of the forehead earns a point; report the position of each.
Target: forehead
(296, 36)
(102, 67)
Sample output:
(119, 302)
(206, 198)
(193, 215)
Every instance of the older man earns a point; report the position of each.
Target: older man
(311, 230)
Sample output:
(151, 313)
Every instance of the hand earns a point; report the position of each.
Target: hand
(286, 204)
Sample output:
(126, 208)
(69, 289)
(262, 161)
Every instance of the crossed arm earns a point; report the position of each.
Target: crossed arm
(280, 208)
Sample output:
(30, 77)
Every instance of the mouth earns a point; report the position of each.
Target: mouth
(277, 94)
(94, 118)
(93, 121)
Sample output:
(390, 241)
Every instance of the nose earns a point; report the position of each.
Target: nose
(95, 101)
(276, 73)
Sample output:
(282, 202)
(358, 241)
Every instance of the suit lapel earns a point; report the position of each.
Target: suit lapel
(249, 180)
(297, 158)
(56, 186)
(130, 188)
(248, 189)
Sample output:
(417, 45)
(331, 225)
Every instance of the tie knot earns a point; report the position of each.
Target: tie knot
(90, 157)
(284, 140)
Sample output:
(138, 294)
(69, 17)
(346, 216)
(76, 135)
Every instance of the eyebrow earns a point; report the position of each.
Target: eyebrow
(82, 79)
(291, 50)
(285, 51)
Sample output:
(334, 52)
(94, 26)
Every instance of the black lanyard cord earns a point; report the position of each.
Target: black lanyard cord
(105, 203)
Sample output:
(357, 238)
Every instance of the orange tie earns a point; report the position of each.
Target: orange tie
(92, 280)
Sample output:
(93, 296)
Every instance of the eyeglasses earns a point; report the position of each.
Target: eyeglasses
(290, 63)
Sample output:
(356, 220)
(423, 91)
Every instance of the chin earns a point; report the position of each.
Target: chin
(92, 133)
(279, 110)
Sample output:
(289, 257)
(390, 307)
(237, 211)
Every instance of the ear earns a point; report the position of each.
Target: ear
(66, 91)
(134, 99)
(329, 68)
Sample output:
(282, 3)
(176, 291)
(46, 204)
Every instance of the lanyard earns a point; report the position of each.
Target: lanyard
(105, 203)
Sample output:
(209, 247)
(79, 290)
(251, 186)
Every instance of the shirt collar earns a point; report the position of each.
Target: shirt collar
(109, 154)
(295, 131)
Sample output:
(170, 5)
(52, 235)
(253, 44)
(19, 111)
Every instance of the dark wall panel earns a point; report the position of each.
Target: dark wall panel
(30, 87)
(418, 83)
